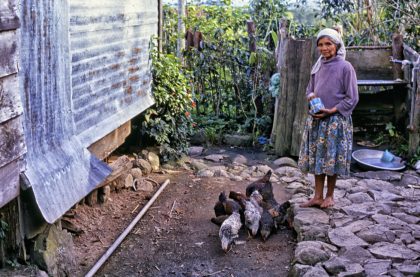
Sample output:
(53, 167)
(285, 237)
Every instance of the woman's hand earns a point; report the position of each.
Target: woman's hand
(324, 113)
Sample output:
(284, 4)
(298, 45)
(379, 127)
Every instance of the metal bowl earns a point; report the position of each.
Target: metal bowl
(371, 159)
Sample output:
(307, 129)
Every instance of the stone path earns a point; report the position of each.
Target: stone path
(373, 230)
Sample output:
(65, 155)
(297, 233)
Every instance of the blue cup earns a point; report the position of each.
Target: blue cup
(315, 105)
(387, 157)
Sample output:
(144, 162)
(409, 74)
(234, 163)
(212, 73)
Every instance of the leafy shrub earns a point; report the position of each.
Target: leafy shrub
(169, 122)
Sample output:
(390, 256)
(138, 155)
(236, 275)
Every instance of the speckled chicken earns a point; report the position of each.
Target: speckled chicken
(252, 213)
(281, 216)
(229, 230)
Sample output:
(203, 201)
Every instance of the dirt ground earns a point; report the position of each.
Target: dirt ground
(176, 237)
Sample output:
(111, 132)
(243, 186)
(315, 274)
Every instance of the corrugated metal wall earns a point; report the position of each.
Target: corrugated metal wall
(110, 69)
(12, 146)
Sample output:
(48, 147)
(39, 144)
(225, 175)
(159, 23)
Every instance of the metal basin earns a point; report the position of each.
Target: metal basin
(371, 159)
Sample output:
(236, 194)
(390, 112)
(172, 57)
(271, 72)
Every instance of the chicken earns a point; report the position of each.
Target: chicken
(226, 206)
(282, 215)
(265, 188)
(218, 220)
(266, 224)
(238, 197)
(252, 214)
(229, 230)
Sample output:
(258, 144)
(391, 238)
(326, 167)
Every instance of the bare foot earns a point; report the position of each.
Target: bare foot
(312, 202)
(328, 202)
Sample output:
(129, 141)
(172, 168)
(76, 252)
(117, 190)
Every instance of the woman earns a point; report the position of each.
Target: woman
(327, 139)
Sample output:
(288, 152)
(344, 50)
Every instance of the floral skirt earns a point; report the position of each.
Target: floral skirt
(326, 145)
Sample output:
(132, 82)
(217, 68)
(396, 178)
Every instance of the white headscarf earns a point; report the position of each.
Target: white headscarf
(336, 38)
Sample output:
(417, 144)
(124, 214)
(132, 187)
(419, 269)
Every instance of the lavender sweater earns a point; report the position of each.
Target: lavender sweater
(336, 84)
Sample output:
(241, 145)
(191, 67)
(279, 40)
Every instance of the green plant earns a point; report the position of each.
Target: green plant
(4, 227)
(169, 122)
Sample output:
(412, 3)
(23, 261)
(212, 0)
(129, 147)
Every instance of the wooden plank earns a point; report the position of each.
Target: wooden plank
(9, 182)
(12, 145)
(414, 127)
(10, 104)
(105, 146)
(295, 65)
(371, 64)
(397, 54)
(9, 53)
(8, 18)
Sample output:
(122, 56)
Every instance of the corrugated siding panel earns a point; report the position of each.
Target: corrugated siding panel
(60, 170)
(110, 68)
(12, 145)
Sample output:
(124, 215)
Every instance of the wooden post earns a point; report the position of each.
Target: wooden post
(397, 53)
(250, 27)
(160, 25)
(414, 128)
(181, 29)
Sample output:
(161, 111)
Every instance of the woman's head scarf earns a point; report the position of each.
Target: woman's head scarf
(336, 38)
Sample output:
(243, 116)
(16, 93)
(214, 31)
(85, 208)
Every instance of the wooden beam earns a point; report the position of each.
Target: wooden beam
(12, 144)
(8, 18)
(105, 146)
(10, 104)
(9, 181)
(397, 54)
(414, 126)
(9, 53)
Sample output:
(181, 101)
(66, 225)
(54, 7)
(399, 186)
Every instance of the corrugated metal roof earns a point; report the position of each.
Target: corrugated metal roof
(111, 76)
(59, 169)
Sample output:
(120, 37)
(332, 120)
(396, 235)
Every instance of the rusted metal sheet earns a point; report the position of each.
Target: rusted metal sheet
(10, 104)
(8, 18)
(371, 64)
(9, 53)
(111, 77)
(60, 170)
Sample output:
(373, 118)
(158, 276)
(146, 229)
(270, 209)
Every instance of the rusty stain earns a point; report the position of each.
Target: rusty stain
(129, 90)
(115, 66)
(134, 78)
(137, 50)
(115, 86)
(120, 54)
(133, 69)
(134, 61)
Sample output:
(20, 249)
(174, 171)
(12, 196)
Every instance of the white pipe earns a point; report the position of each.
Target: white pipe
(130, 227)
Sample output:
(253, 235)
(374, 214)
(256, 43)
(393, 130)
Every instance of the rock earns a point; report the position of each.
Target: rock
(144, 185)
(385, 196)
(346, 184)
(362, 209)
(198, 138)
(217, 158)
(409, 179)
(377, 185)
(144, 166)
(198, 165)
(376, 233)
(356, 254)
(309, 216)
(384, 175)
(136, 173)
(317, 271)
(221, 173)
(417, 165)
(195, 151)
(239, 159)
(394, 252)
(407, 238)
(295, 187)
(408, 269)
(92, 198)
(54, 252)
(344, 238)
(395, 273)
(390, 221)
(335, 265)
(129, 181)
(353, 270)
(359, 197)
(299, 270)
(374, 267)
(338, 219)
(41, 273)
(288, 171)
(311, 253)
(205, 173)
(356, 226)
(236, 178)
(285, 161)
(237, 140)
(313, 232)
(263, 169)
(414, 246)
(154, 161)
(297, 179)
(119, 167)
